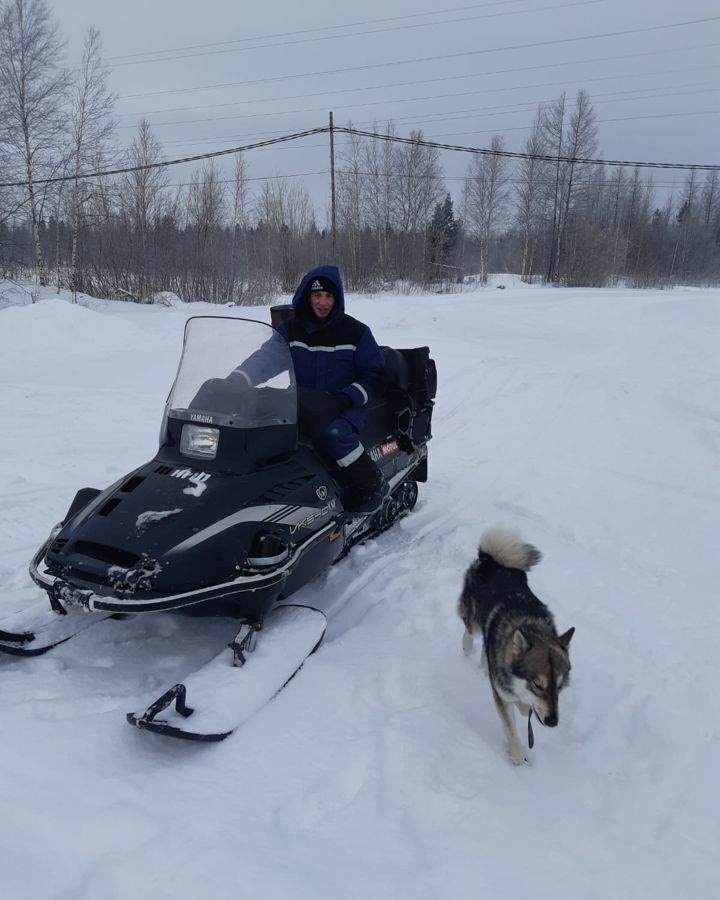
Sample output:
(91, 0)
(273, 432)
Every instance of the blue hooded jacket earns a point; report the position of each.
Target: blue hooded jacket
(336, 354)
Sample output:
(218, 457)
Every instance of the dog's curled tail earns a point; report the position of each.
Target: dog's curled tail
(506, 548)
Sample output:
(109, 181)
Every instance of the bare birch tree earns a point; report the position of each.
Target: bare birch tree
(59, 200)
(142, 197)
(530, 198)
(581, 141)
(570, 140)
(380, 165)
(11, 199)
(34, 88)
(616, 190)
(286, 212)
(206, 216)
(419, 184)
(419, 187)
(688, 219)
(552, 122)
(486, 195)
(710, 224)
(239, 223)
(710, 198)
(92, 125)
(350, 192)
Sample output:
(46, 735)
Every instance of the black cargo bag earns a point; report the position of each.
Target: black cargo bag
(412, 385)
(422, 376)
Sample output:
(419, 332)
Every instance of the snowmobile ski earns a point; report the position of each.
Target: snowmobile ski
(44, 631)
(222, 695)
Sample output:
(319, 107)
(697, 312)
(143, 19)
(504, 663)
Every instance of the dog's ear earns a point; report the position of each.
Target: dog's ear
(520, 643)
(564, 639)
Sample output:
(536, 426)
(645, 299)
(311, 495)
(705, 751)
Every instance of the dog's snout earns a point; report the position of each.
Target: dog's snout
(551, 720)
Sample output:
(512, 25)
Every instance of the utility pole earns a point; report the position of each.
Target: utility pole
(333, 217)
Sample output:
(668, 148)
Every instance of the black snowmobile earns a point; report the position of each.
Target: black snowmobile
(233, 515)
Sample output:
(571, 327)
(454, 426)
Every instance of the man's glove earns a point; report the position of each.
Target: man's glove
(342, 402)
(317, 409)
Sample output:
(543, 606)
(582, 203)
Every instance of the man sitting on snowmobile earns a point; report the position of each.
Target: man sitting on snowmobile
(338, 368)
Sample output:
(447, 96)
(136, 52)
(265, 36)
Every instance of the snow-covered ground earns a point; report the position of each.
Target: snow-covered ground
(588, 419)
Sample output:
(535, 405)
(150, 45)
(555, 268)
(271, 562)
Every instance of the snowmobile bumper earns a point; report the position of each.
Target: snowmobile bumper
(255, 591)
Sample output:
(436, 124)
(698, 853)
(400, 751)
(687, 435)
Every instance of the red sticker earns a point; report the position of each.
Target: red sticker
(389, 448)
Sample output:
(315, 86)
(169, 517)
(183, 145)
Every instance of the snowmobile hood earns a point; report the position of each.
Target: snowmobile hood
(168, 530)
(301, 299)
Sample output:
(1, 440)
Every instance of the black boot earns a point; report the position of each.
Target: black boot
(367, 489)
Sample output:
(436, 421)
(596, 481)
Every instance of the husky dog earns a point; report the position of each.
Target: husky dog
(526, 660)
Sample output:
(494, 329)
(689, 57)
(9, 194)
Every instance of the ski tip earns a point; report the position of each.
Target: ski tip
(175, 696)
(26, 644)
(164, 728)
(16, 637)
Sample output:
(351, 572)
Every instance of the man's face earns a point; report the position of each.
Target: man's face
(322, 303)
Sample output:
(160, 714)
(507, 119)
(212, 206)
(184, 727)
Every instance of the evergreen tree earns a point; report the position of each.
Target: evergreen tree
(443, 234)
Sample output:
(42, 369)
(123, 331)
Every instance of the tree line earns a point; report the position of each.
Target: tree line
(218, 238)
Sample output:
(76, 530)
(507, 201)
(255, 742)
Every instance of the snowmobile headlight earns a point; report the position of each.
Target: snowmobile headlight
(267, 550)
(199, 441)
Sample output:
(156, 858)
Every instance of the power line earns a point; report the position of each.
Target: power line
(178, 184)
(501, 109)
(521, 106)
(363, 88)
(377, 87)
(311, 40)
(413, 177)
(401, 175)
(530, 127)
(370, 124)
(262, 37)
(425, 59)
(677, 115)
(438, 118)
(169, 162)
(544, 157)
(253, 178)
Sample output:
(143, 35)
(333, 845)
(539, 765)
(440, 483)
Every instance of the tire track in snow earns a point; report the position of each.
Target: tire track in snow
(356, 597)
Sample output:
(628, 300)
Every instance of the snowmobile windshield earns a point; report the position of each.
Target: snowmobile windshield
(234, 372)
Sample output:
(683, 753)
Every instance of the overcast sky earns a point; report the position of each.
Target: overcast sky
(212, 74)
